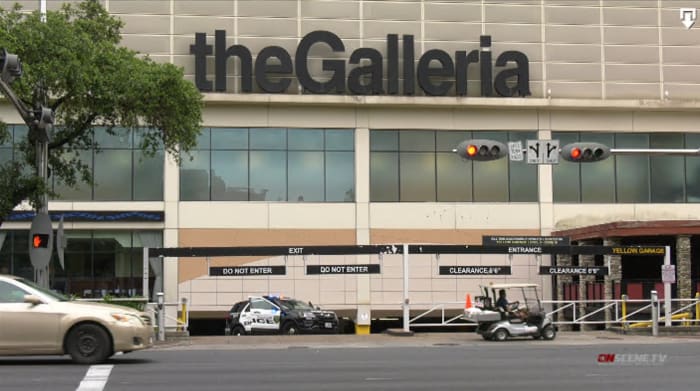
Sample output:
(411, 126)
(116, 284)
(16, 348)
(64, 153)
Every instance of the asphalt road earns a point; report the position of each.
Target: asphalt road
(472, 365)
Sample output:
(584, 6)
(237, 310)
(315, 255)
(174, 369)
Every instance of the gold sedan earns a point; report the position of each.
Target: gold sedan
(36, 321)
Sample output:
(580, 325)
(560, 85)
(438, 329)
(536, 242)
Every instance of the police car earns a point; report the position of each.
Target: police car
(275, 315)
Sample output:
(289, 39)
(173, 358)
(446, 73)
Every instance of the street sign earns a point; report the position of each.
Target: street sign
(542, 151)
(515, 151)
(668, 274)
(503, 240)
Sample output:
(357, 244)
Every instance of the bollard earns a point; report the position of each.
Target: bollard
(697, 306)
(161, 316)
(625, 324)
(654, 313)
(183, 315)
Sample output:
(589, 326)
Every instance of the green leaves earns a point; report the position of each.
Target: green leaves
(92, 81)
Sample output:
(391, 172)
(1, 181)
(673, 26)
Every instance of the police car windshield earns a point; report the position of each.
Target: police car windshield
(295, 305)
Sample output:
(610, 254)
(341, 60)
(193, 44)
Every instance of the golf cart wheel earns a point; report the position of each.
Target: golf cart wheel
(500, 335)
(548, 333)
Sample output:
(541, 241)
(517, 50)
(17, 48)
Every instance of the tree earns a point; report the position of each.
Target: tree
(76, 60)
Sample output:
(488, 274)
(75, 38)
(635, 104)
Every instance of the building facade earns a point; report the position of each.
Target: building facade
(333, 122)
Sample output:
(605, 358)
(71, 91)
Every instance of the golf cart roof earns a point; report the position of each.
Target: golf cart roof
(512, 285)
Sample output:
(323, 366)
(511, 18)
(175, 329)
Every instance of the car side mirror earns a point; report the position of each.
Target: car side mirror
(33, 300)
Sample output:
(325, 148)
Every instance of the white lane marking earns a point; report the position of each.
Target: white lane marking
(96, 378)
(378, 378)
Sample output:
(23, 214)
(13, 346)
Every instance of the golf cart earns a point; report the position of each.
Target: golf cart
(523, 317)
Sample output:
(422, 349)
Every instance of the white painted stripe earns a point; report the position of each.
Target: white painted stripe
(96, 378)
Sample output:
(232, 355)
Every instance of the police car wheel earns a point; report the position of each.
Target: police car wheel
(238, 330)
(290, 328)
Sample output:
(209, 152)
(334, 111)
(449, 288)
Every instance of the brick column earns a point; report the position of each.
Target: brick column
(614, 262)
(565, 261)
(684, 288)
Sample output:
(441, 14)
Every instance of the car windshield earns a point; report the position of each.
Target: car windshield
(292, 304)
(47, 292)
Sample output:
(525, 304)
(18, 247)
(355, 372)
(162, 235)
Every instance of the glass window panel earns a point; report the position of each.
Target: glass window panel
(566, 175)
(204, 139)
(6, 137)
(383, 140)
(491, 177)
(268, 175)
(305, 139)
(112, 175)
(194, 177)
(521, 175)
(111, 241)
(268, 138)
(417, 140)
(138, 137)
(20, 133)
(229, 175)
(148, 176)
(417, 176)
(120, 139)
(692, 169)
(454, 178)
(5, 155)
(340, 176)
(22, 266)
(340, 140)
(491, 181)
(306, 177)
(667, 172)
(632, 171)
(81, 191)
(598, 179)
(446, 141)
(229, 138)
(384, 176)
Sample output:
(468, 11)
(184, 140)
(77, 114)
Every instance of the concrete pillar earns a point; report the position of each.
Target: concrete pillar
(565, 261)
(614, 264)
(684, 285)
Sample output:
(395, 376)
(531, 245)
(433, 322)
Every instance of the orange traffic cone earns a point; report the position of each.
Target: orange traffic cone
(468, 303)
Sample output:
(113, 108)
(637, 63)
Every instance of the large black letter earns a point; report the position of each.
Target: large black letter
(222, 54)
(522, 72)
(485, 60)
(262, 67)
(447, 68)
(201, 50)
(336, 82)
(374, 71)
(408, 63)
(392, 58)
(463, 61)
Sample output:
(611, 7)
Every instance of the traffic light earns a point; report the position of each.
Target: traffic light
(585, 152)
(40, 241)
(482, 150)
(11, 66)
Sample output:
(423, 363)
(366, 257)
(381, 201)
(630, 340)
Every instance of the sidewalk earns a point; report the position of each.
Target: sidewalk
(418, 339)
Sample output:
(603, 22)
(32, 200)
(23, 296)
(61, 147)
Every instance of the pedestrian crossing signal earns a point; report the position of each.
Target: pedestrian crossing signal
(40, 241)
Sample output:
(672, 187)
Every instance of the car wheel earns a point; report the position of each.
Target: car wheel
(500, 335)
(290, 328)
(88, 344)
(549, 333)
(238, 330)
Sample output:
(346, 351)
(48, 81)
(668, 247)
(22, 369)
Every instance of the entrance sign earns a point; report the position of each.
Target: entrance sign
(247, 271)
(474, 270)
(343, 269)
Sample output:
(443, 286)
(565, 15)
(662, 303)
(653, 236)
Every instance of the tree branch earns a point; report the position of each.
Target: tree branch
(70, 136)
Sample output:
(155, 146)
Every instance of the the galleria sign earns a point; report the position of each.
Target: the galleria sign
(437, 72)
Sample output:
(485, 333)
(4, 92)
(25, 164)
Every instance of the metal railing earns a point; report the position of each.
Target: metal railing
(445, 320)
